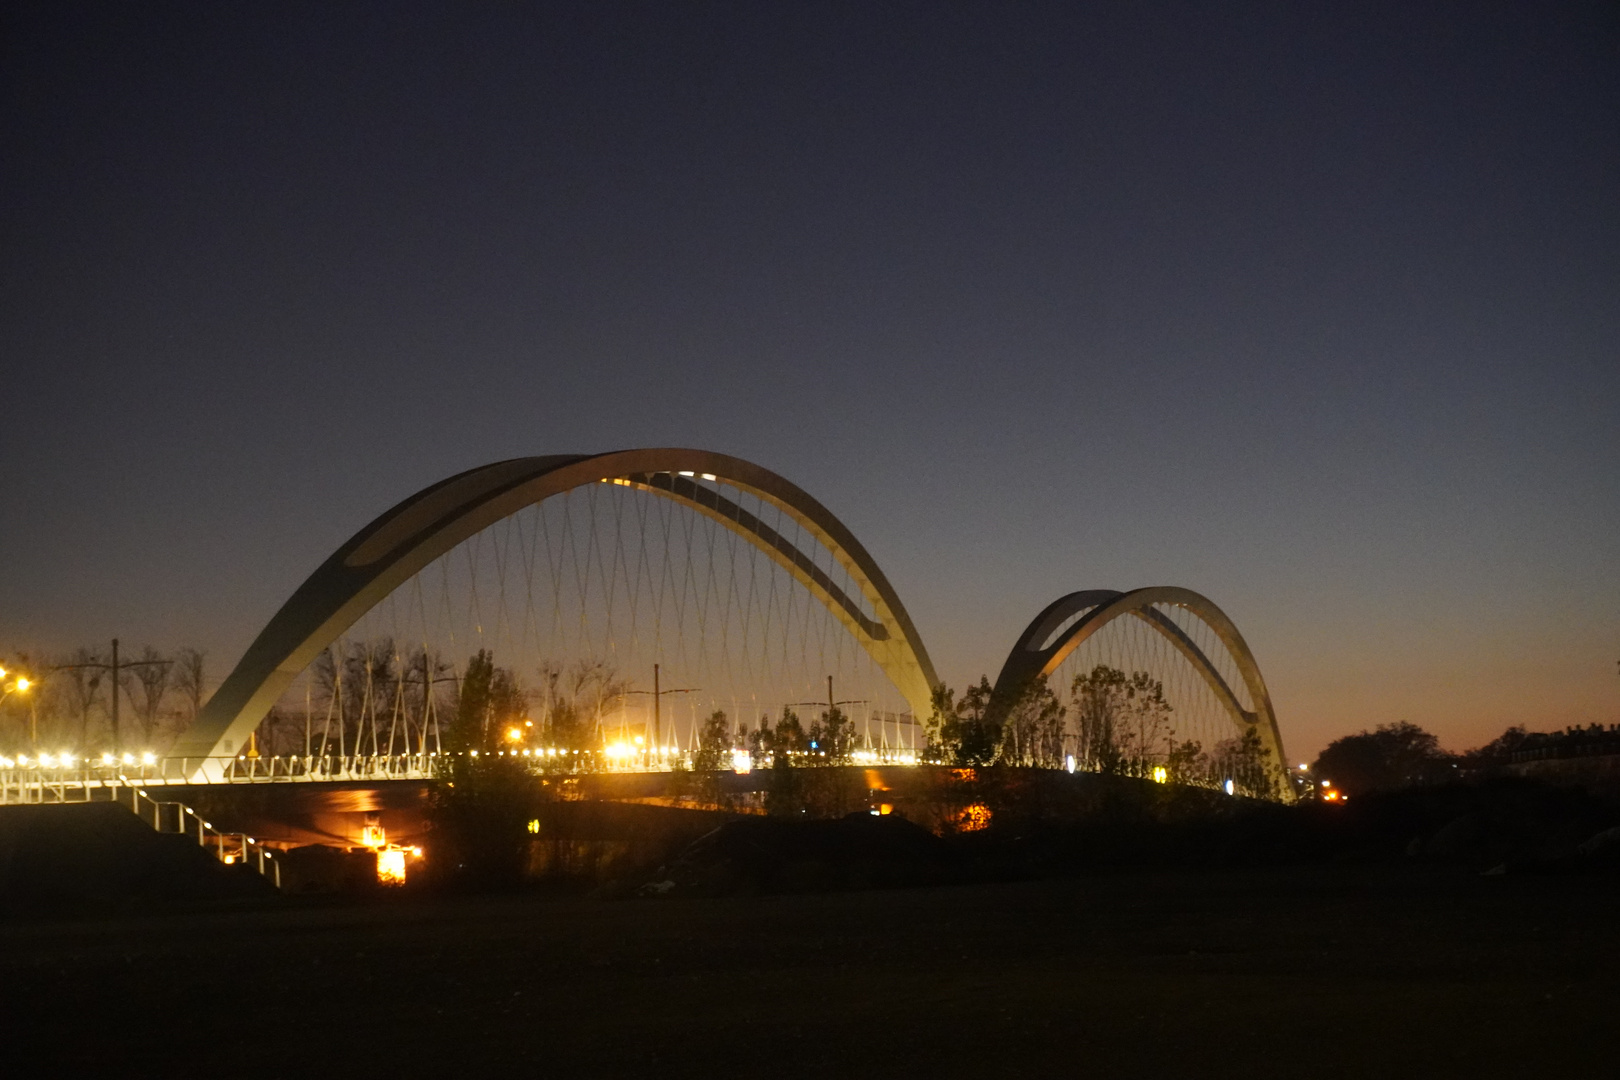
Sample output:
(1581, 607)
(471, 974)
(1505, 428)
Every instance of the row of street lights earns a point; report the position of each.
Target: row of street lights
(68, 760)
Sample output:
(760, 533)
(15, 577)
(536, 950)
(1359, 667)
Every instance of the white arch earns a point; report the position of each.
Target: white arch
(1042, 647)
(404, 540)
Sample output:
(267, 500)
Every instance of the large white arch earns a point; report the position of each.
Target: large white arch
(1041, 648)
(405, 539)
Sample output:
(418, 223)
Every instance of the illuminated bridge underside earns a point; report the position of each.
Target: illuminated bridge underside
(404, 540)
(1038, 653)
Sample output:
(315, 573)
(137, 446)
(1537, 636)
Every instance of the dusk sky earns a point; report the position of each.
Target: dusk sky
(1316, 313)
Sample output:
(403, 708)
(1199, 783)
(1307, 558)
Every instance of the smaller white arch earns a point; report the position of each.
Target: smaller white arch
(1056, 632)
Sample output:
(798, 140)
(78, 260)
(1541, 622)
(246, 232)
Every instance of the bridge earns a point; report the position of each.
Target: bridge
(658, 610)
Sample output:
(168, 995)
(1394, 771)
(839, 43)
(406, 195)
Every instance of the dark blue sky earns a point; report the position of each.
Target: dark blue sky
(1316, 313)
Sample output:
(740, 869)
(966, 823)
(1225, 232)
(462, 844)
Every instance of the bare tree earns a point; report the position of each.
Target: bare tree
(327, 672)
(379, 663)
(278, 733)
(149, 675)
(53, 709)
(82, 682)
(1146, 734)
(582, 694)
(422, 703)
(1244, 762)
(188, 678)
(597, 687)
(1095, 699)
(1124, 721)
(344, 673)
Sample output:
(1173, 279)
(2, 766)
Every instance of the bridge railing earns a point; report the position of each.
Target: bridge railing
(313, 767)
(65, 779)
(69, 785)
(229, 848)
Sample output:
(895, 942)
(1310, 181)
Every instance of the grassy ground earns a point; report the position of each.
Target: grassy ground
(1321, 972)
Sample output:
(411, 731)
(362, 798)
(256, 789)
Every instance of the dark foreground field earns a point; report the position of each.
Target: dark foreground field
(1318, 972)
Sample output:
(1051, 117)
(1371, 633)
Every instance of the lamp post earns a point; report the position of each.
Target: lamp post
(20, 684)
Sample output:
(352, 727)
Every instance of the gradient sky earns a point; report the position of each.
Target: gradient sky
(1317, 313)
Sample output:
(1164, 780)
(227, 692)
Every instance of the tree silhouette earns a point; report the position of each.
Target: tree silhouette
(832, 738)
(189, 679)
(714, 743)
(1392, 756)
(970, 736)
(1033, 731)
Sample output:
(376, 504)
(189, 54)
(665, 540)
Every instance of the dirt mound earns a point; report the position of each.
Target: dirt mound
(56, 859)
(785, 855)
(1501, 821)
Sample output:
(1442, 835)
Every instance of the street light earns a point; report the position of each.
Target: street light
(19, 685)
(22, 684)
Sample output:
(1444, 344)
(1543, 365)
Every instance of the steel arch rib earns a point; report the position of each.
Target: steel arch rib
(411, 535)
(1037, 653)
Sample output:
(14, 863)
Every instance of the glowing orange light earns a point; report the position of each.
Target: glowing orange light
(973, 817)
(391, 866)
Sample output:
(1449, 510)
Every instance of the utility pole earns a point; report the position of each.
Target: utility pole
(832, 705)
(113, 669)
(658, 693)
